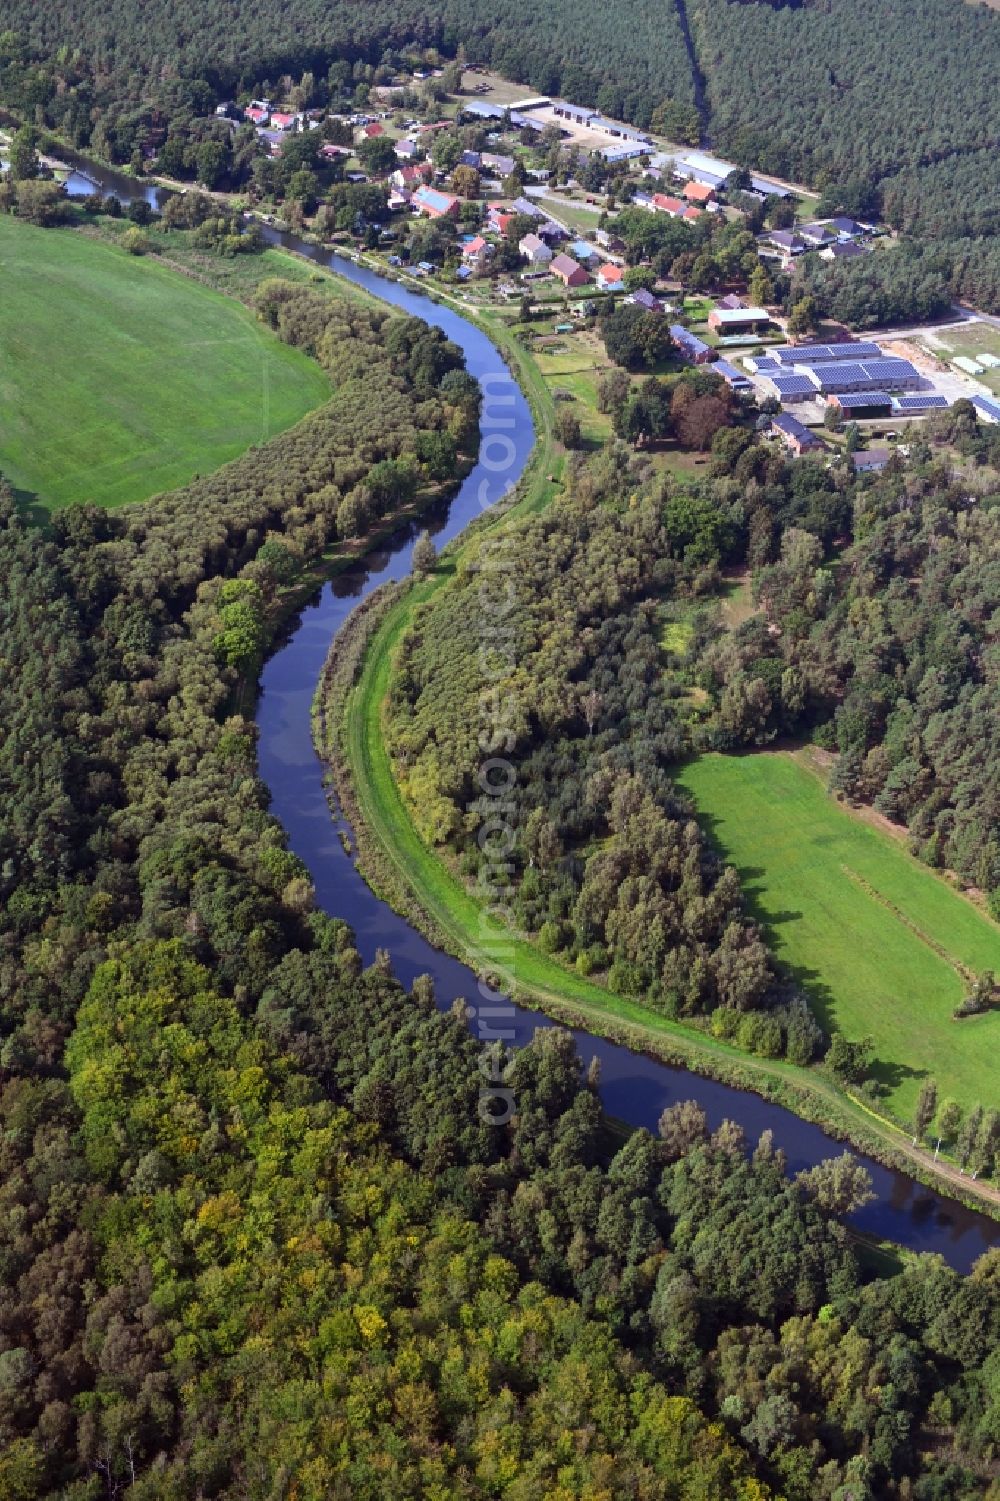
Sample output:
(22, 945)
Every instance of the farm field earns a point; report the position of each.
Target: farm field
(121, 378)
(878, 940)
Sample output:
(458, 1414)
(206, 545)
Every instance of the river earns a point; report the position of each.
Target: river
(633, 1087)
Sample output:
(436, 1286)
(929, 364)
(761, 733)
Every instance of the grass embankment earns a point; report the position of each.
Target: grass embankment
(883, 945)
(121, 379)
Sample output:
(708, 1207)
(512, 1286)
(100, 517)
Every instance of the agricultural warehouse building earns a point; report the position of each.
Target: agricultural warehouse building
(737, 380)
(577, 114)
(790, 387)
(690, 346)
(812, 354)
(924, 401)
(732, 320)
(761, 364)
(483, 110)
(622, 153)
(862, 403)
(714, 171)
(987, 407)
(794, 434)
(869, 375)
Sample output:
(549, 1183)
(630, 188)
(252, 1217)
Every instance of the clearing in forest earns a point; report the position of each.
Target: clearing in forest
(880, 942)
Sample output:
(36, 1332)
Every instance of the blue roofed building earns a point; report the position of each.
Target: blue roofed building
(689, 346)
(583, 252)
(797, 438)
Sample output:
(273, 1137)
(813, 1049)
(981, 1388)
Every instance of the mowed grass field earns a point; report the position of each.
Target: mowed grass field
(120, 378)
(877, 938)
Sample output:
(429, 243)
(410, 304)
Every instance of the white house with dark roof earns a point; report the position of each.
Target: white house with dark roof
(534, 250)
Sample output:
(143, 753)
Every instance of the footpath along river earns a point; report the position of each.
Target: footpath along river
(633, 1087)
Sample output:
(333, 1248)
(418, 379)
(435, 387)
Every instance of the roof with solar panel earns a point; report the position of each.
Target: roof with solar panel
(811, 354)
(923, 401)
(856, 399)
(792, 385)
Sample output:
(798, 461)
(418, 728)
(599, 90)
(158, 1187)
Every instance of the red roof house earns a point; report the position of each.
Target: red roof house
(698, 192)
(664, 204)
(436, 205)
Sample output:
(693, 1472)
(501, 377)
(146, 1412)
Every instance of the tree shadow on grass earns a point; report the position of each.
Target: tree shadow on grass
(31, 508)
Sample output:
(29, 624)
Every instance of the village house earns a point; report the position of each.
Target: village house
(692, 214)
(534, 250)
(794, 434)
(412, 176)
(258, 113)
(817, 234)
(609, 241)
(610, 278)
(642, 298)
(843, 250)
(476, 252)
(871, 462)
(501, 166)
(435, 204)
(689, 346)
(663, 203)
(847, 229)
(282, 121)
(698, 192)
(569, 272)
(405, 149)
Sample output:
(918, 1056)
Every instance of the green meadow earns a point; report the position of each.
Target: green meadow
(881, 943)
(120, 378)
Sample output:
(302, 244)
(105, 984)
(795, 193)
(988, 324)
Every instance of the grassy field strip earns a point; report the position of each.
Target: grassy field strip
(882, 943)
(962, 970)
(121, 379)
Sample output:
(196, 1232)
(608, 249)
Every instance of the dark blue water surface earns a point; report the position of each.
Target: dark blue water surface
(633, 1087)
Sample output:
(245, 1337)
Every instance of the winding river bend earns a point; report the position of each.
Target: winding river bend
(633, 1087)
